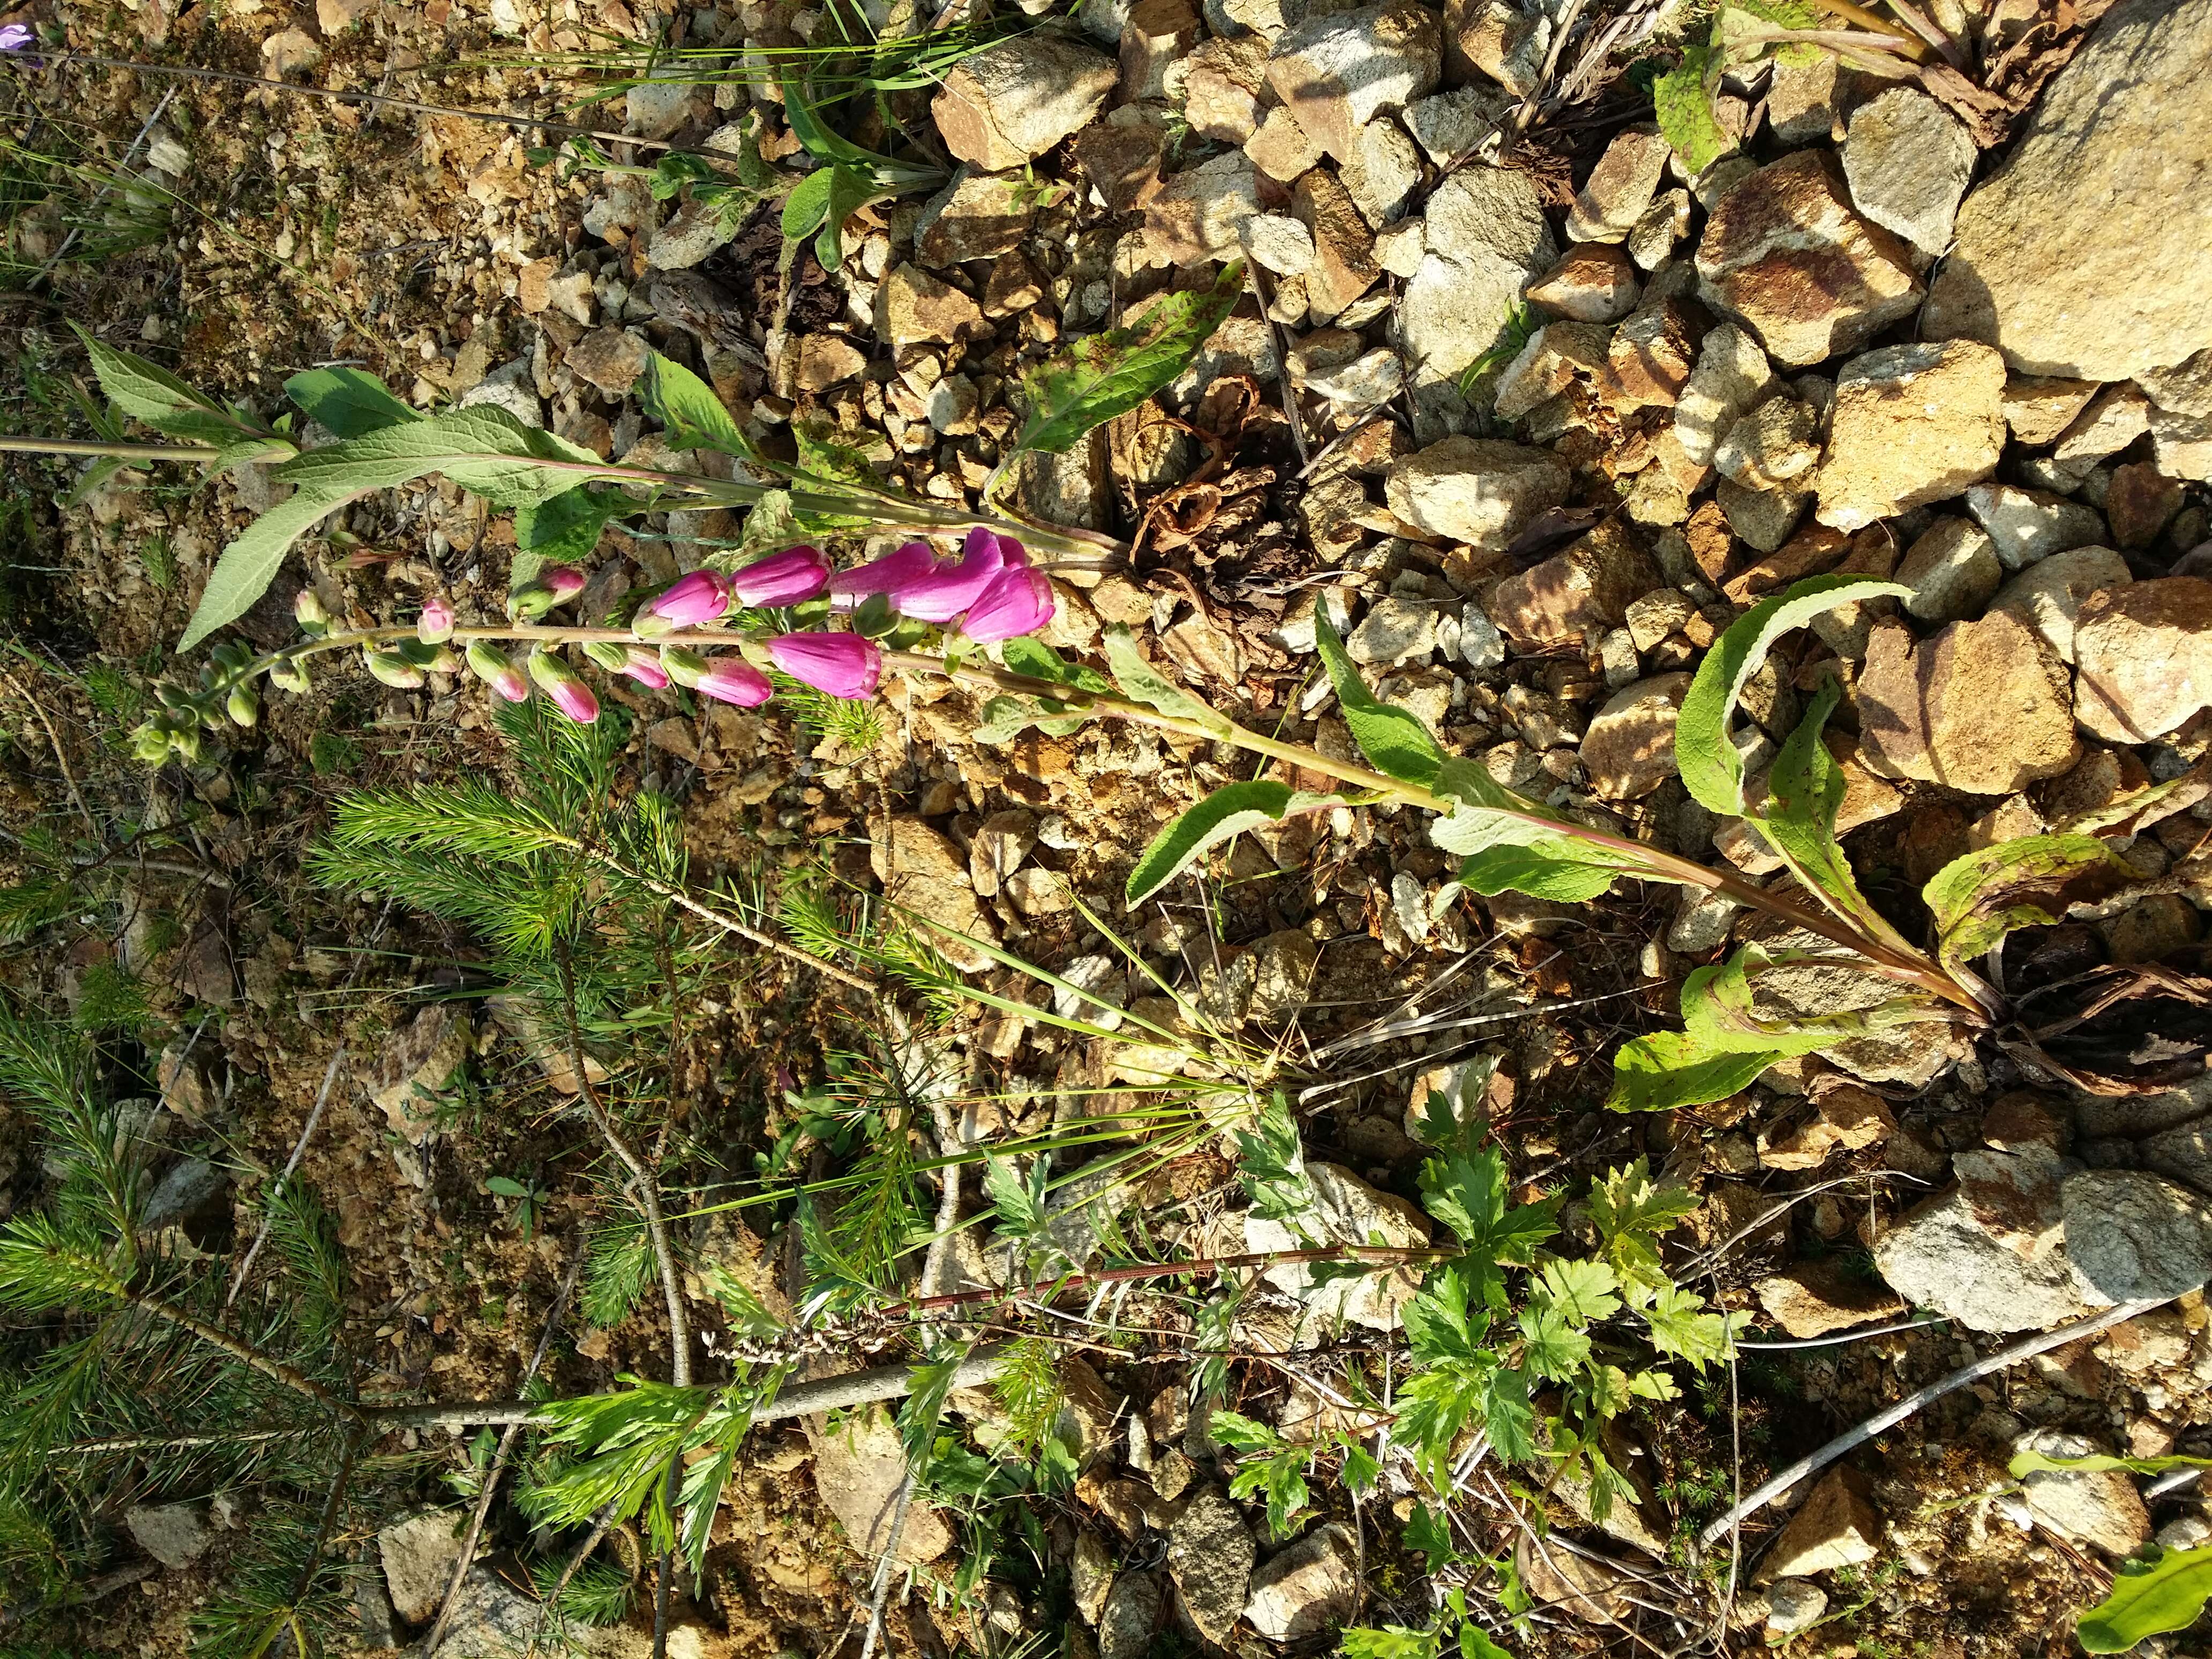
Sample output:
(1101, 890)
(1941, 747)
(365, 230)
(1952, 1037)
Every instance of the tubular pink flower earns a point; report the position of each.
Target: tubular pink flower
(842, 664)
(699, 597)
(682, 665)
(494, 667)
(436, 625)
(565, 686)
(555, 585)
(950, 589)
(732, 680)
(892, 574)
(784, 577)
(1017, 601)
(644, 667)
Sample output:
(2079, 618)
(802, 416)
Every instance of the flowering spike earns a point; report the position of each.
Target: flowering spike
(943, 595)
(564, 686)
(493, 666)
(436, 625)
(790, 577)
(1017, 601)
(842, 664)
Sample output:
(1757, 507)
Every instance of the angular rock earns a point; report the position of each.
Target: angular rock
(2028, 525)
(1595, 283)
(1347, 1211)
(1837, 1526)
(1479, 491)
(1818, 1298)
(1629, 749)
(1131, 1617)
(1845, 1117)
(1221, 86)
(1587, 588)
(1487, 236)
(1772, 446)
(2182, 445)
(1908, 162)
(2136, 1237)
(1784, 253)
(2039, 407)
(1382, 172)
(1282, 149)
(2143, 655)
(1653, 352)
(1763, 518)
(413, 1064)
(1665, 222)
(1200, 214)
(1910, 424)
(1948, 1256)
(2114, 418)
(2084, 253)
(1122, 161)
(1210, 1555)
(1010, 102)
(1586, 1589)
(2184, 389)
(1732, 376)
(914, 309)
(2099, 1507)
(1451, 123)
(1619, 189)
(2049, 594)
(1952, 571)
(1984, 706)
(1306, 1590)
(979, 215)
(1337, 72)
(1556, 355)
(610, 359)
(2139, 501)
(695, 230)
(1343, 266)
(859, 1468)
(920, 868)
(1906, 1054)
(1793, 1604)
(1394, 631)
(175, 1535)
(1158, 34)
(418, 1553)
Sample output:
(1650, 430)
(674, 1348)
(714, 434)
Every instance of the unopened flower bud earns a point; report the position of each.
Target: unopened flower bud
(245, 705)
(430, 658)
(436, 625)
(555, 585)
(698, 597)
(288, 674)
(150, 743)
(309, 611)
(393, 669)
(494, 667)
(564, 686)
(684, 665)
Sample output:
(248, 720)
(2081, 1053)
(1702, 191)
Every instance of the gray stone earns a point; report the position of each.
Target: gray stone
(413, 1064)
(1394, 631)
(610, 359)
(1952, 571)
(2084, 253)
(1382, 173)
(1346, 1210)
(1210, 1555)
(1908, 162)
(1010, 102)
(1732, 376)
(490, 1619)
(696, 231)
(1774, 446)
(1487, 238)
(2099, 1507)
(1910, 425)
(1131, 1617)
(418, 1553)
(1629, 749)
(1338, 71)
(1479, 491)
(1306, 1590)
(1451, 123)
(658, 105)
(1763, 518)
(1795, 1604)
(2028, 525)
(1620, 188)
(511, 386)
(1277, 242)
(175, 1535)
(1947, 1256)
(2048, 595)
(2136, 1237)
(1282, 969)
(190, 1190)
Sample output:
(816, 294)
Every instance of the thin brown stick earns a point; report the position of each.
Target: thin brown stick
(91, 824)
(2027, 1348)
(290, 1376)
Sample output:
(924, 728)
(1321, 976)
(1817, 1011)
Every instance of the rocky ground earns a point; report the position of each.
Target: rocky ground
(1535, 412)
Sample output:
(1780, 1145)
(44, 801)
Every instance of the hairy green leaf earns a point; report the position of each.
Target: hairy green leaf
(1983, 895)
(350, 402)
(689, 411)
(807, 205)
(565, 529)
(1395, 740)
(1104, 375)
(484, 450)
(2166, 1592)
(1684, 106)
(1227, 812)
(250, 563)
(1140, 680)
(1668, 1069)
(1711, 768)
(1546, 866)
(146, 391)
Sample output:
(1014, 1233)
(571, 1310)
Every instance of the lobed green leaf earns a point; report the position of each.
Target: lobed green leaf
(350, 402)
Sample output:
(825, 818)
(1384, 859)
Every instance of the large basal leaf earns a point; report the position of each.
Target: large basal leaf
(1668, 1069)
(249, 564)
(486, 451)
(689, 411)
(565, 529)
(1107, 375)
(1685, 108)
(2149, 1598)
(1228, 811)
(1711, 768)
(1980, 897)
(807, 205)
(1805, 789)
(1139, 681)
(1395, 740)
(348, 401)
(1546, 866)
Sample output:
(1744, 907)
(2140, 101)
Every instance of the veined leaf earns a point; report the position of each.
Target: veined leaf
(2034, 1463)
(1658, 1074)
(1546, 866)
(1805, 790)
(146, 391)
(350, 402)
(250, 563)
(1138, 679)
(565, 529)
(1027, 655)
(1395, 740)
(689, 411)
(1719, 1008)
(1228, 812)
(1711, 768)
(2166, 1592)
(1685, 107)
(484, 450)
(1979, 898)
(1104, 375)
(808, 204)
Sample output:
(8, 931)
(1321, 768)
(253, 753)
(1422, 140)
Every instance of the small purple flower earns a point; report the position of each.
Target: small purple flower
(732, 680)
(842, 664)
(14, 37)
(1017, 601)
(784, 578)
(950, 589)
(495, 669)
(892, 574)
(565, 686)
(698, 599)
(436, 625)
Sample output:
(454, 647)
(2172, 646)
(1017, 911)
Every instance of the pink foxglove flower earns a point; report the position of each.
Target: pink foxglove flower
(842, 664)
(891, 575)
(555, 585)
(436, 625)
(644, 667)
(495, 669)
(784, 578)
(1017, 601)
(698, 599)
(950, 589)
(565, 686)
(732, 680)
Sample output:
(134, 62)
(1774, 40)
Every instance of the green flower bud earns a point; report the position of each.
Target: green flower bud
(615, 659)
(245, 705)
(393, 669)
(288, 674)
(683, 665)
(150, 743)
(315, 619)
